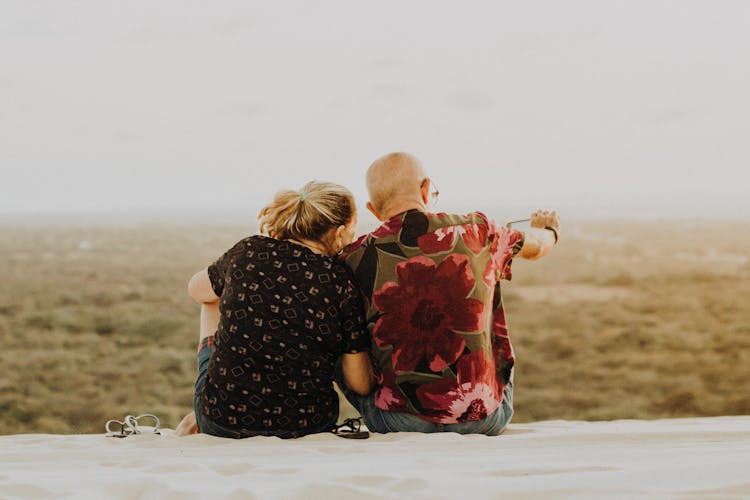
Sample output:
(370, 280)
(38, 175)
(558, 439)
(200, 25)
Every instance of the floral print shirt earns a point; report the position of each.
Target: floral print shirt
(432, 298)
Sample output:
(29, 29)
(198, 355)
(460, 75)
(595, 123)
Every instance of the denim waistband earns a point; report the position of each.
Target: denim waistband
(206, 342)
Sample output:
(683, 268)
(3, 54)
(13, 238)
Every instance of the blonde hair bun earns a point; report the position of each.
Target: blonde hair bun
(309, 213)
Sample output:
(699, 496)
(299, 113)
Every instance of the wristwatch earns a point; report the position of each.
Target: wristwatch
(554, 231)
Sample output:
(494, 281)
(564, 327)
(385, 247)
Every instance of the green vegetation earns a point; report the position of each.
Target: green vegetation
(624, 320)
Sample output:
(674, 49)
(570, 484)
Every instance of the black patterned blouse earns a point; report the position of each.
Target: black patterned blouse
(287, 315)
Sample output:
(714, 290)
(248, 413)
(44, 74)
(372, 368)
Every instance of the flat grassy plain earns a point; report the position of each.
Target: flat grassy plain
(624, 320)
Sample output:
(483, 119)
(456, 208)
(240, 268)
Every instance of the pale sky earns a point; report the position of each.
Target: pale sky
(626, 106)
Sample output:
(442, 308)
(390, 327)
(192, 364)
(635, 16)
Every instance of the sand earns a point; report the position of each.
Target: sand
(682, 458)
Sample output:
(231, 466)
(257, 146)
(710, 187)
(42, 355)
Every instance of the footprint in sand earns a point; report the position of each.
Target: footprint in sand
(404, 485)
(25, 491)
(411, 484)
(233, 470)
(546, 472)
(370, 480)
(175, 468)
(240, 494)
(121, 464)
(282, 471)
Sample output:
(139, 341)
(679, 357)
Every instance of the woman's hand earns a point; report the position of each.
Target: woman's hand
(358, 373)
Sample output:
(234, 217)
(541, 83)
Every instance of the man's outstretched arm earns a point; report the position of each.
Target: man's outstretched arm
(542, 236)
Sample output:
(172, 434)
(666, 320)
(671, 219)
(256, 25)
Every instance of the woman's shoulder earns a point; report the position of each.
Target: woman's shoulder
(246, 246)
(256, 241)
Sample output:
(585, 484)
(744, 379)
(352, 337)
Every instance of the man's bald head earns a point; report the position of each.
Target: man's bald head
(393, 179)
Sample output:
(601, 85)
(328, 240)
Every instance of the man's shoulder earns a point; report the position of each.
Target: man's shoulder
(417, 222)
(413, 231)
(443, 219)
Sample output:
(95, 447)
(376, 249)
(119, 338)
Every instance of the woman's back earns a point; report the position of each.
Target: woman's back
(287, 314)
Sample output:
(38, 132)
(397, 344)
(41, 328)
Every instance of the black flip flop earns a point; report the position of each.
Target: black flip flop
(350, 429)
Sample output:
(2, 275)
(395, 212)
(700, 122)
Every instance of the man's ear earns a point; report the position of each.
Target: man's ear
(373, 211)
(425, 190)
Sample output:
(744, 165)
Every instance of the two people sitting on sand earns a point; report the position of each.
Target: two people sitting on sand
(413, 311)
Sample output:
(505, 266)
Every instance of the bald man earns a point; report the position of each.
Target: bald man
(431, 283)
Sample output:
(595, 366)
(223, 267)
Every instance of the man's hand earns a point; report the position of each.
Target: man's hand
(544, 219)
(543, 235)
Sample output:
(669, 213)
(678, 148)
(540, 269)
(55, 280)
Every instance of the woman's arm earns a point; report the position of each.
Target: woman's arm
(200, 289)
(358, 374)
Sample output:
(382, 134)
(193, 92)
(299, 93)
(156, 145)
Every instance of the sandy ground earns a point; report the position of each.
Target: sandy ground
(683, 458)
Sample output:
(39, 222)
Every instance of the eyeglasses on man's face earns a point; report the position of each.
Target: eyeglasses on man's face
(434, 192)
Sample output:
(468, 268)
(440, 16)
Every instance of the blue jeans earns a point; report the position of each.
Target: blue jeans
(384, 421)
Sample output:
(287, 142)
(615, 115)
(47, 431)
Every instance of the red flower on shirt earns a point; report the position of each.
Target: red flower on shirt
(389, 396)
(470, 397)
(391, 226)
(422, 311)
(502, 241)
(500, 335)
(444, 238)
(352, 247)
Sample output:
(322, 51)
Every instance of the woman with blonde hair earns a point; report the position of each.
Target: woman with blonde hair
(277, 312)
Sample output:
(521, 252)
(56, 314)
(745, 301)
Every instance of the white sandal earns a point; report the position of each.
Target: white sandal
(130, 426)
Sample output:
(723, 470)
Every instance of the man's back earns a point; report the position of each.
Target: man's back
(440, 342)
